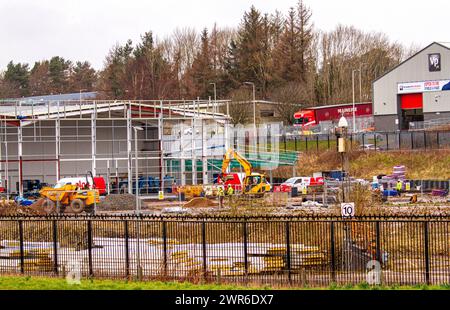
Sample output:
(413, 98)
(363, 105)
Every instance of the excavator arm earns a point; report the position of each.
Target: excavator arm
(232, 154)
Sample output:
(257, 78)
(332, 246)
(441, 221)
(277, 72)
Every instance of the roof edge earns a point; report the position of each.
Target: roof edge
(408, 59)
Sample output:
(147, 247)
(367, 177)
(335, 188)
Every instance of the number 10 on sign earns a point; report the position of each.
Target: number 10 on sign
(348, 209)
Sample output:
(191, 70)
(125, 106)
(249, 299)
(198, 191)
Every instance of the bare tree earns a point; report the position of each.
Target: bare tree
(290, 98)
(240, 107)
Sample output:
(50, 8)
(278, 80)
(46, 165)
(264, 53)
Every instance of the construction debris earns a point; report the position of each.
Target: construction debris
(174, 210)
(10, 207)
(115, 202)
(200, 202)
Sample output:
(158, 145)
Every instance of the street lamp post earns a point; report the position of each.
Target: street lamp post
(360, 84)
(254, 101)
(353, 92)
(254, 110)
(215, 97)
(82, 90)
(342, 144)
(343, 126)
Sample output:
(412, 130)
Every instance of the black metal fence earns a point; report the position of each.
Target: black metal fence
(294, 251)
(380, 141)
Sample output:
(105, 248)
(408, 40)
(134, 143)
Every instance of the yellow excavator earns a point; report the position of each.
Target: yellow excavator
(254, 184)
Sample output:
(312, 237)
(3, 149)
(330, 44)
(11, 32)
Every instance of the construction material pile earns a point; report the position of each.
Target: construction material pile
(37, 255)
(301, 256)
(116, 202)
(10, 207)
(200, 202)
(399, 174)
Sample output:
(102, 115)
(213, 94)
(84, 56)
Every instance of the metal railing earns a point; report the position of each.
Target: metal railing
(370, 141)
(312, 251)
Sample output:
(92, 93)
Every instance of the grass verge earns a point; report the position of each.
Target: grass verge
(40, 283)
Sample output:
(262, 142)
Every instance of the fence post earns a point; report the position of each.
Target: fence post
(437, 140)
(412, 140)
(375, 141)
(387, 141)
(377, 242)
(89, 243)
(333, 253)
(55, 247)
(127, 249)
(317, 143)
(295, 143)
(164, 233)
(288, 251)
(363, 138)
(306, 143)
(328, 140)
(426, 252)
(425, 139)
(399, 140)
(244, 232)
(22, 254)
(205, 267)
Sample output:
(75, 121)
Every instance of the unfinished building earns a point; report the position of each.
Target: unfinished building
(171, 141)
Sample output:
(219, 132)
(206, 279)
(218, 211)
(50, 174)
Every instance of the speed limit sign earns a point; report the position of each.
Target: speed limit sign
(348, 209)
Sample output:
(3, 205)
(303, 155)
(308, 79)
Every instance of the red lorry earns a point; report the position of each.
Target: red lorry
(311, 117)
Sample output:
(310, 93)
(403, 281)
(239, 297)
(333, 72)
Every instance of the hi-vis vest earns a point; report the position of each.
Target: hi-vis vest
(220, 191)
(230, 191)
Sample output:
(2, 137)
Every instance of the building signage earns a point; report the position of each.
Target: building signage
(434, 62)
(421, 87)
(347, 110)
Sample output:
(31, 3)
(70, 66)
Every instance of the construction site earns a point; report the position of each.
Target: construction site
(172, 190)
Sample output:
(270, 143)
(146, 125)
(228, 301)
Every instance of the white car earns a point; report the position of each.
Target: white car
(371, 147)
(301, 183)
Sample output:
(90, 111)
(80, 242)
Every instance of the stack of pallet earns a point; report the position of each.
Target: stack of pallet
(274, 260)
(181, 260)
(228, 269)
(302, 256)
(307, 256)
(38, 260)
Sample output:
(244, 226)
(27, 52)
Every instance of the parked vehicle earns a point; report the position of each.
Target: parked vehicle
(309, 118)
(369, 147)
(300, 183)
(88, 181)
(147, 185)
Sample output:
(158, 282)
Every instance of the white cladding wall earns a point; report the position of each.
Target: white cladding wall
(39, 142)
(413, 70)
(436, 101)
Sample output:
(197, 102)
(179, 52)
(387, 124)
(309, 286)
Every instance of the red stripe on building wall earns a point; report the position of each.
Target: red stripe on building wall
(412, 101)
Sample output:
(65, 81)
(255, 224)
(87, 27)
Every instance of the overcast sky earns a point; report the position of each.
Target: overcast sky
(32, 30)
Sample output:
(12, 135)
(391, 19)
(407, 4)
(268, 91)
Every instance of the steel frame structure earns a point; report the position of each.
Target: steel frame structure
(55, 139)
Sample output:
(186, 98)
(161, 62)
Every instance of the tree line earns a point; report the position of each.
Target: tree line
(286, 58)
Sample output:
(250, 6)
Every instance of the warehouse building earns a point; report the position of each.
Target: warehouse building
(415, 91)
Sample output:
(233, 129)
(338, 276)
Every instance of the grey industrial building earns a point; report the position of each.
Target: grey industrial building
(415, 91)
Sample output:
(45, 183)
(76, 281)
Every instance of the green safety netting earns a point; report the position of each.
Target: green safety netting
(261, 162)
